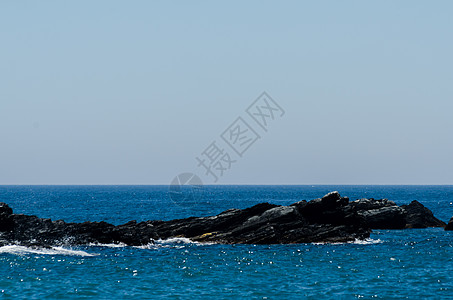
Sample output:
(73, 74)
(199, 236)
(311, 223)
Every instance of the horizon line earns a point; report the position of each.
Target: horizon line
(237, 184)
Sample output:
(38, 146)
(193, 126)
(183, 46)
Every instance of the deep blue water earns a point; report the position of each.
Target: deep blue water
(415, 263)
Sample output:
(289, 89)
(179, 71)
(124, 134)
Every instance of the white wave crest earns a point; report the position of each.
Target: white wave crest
(182, 240)
(119, 245)
(22, 250)
(368, 241)
(168, 243)
(176, 240)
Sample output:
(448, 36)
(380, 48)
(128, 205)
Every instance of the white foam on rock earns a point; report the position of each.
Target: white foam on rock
(112, 245)
(23, 250)
(368, 241)
(177, 242)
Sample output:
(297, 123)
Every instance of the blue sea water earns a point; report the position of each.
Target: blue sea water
(393, 264)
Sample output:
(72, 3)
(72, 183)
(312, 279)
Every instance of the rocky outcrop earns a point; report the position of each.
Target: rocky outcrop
(380, 214)
(331, 218)
(328, 219)
(418, 216)
(385, 214)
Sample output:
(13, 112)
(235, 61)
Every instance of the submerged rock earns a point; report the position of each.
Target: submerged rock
(331, 218)
(449, 225)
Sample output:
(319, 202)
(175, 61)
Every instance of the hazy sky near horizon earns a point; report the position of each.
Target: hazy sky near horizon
(116, 92)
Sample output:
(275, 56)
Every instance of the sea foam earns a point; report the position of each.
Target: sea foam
(368, 241)
(23, 250)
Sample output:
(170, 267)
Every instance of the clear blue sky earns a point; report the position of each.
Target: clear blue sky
(130, 92)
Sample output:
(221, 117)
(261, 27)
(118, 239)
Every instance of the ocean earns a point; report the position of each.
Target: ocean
(392, 264)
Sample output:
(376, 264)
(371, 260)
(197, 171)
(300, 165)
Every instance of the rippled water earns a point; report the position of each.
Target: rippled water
(409, 264)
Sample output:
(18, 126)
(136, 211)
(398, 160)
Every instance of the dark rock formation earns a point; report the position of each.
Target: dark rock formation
(329, 219)
(380, 214)
(449, 225)
(419, 216)
(385, 214)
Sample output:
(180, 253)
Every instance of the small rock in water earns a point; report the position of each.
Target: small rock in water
(449, 225)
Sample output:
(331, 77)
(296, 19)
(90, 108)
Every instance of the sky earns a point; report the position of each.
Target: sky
(133, 92)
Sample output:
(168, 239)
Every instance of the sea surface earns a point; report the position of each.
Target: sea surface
(392, 264)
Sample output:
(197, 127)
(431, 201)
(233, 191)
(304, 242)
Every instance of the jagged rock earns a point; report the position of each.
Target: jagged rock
(6, 222)
(389, 217)
(449, 225)
(380, 214)
(418, 216)
(320, 220)
(331, 218)
(5, 209)
(385, 214)
(368, 204)
(328, 219)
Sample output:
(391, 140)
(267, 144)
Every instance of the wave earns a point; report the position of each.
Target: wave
(368, 241)
(182, 240)
(23, 250)
(111, 245)
(178, 242)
